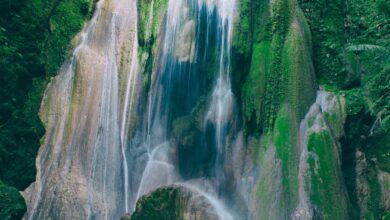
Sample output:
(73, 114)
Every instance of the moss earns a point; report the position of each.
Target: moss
(281, 68)
(285, 138)
(150, 22)
(252, 26)
(12, 205)
(325, 184)
(65, 22)
(162, 204)
(298, 68)
(254, 87)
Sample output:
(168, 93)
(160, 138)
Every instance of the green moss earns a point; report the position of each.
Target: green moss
(325, 184)
(65, 22)
(298, 68)
(285, 138)
(254, 87)
(281, 69)
(12, 205)
(162, 204)
(252, 26)
(150, 19)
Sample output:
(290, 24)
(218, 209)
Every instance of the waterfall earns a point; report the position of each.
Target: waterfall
(87, 110)
(101, 151)
(222, 101)
(182, 69)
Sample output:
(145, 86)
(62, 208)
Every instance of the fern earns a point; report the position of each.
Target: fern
(366, 47)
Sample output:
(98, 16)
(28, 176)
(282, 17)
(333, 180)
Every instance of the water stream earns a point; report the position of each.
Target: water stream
(192, 27)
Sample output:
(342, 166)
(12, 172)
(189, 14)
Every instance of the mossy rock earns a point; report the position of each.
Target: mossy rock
(286, 145)
(162, 204)
(325, 184)
(174, 203)
(281, 69)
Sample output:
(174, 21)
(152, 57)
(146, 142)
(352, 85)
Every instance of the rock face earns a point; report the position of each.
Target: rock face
(321, 184)
(296, 172)
(79, 166)
(384, 180)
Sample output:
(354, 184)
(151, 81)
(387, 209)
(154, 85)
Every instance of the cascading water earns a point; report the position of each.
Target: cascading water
(196, 31)
(222, 102)
(81, 171)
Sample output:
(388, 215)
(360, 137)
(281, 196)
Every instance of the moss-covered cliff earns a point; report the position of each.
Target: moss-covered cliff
(274, 103)
(281, 68)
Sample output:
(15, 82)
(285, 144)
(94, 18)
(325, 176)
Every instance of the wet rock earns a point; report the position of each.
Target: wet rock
(384, 180)
(175, 202)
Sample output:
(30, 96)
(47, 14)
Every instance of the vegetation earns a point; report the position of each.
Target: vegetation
(150, 20)
(162, 204)
(35, 38)
(12, 204)
(281, 69)
(285, 138)
(349, 45)
(351, 56)
(325, 182)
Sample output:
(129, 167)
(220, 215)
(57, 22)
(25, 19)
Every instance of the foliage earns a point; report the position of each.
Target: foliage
(12, 205)
(326, 20)
(35, 40)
